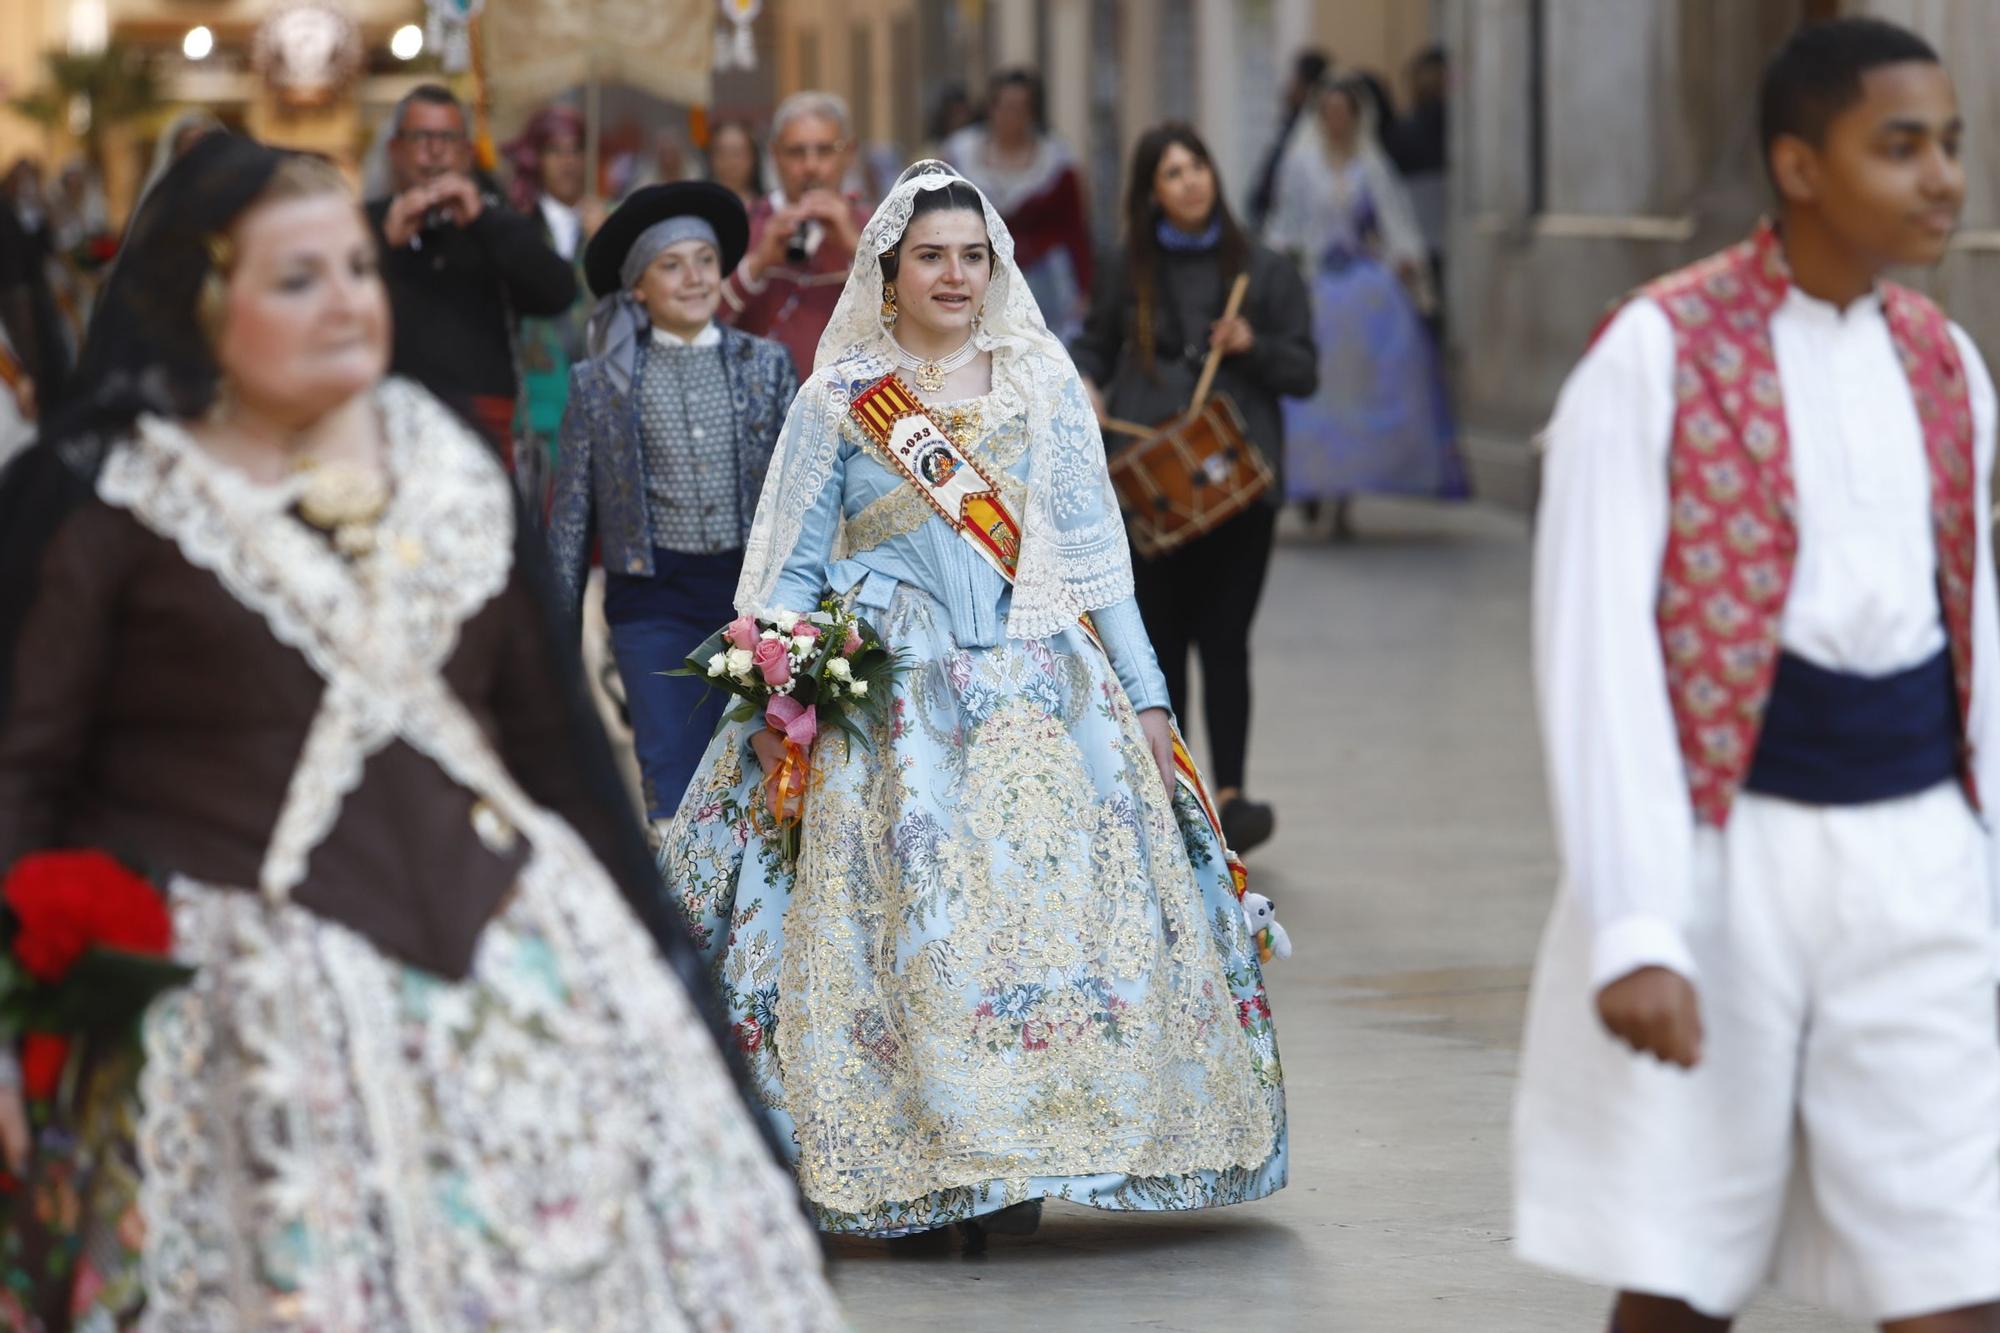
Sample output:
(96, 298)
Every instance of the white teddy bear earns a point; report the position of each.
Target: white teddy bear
(1262, 914)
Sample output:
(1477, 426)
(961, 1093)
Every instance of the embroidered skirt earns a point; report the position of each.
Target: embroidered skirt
(328, 1138)
(1380, 422)
(1006, 966)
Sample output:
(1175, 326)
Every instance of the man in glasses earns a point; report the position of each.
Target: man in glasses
(460, 267)
(803, 234)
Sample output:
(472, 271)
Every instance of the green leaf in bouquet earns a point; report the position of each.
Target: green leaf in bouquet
(697, 661)
(109, 988)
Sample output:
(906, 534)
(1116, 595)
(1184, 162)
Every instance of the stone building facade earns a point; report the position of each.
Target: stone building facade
(1598, 143)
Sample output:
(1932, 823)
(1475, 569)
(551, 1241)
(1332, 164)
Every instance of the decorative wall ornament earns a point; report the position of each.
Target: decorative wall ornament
(449, 31)
(737, 48)
(308, 51)
(535, 50)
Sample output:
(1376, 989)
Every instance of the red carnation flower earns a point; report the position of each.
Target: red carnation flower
(43, 1055)
(65, 902)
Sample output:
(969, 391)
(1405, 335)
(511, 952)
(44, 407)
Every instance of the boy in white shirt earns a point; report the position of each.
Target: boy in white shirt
(1762, 1036)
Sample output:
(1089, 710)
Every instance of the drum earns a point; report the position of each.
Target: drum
(1186, 476)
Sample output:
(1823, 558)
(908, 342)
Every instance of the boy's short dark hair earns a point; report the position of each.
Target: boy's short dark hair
(1817, 74)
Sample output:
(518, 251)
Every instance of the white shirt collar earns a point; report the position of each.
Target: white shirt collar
(1803, 305)
(710, 335)
(565, 227)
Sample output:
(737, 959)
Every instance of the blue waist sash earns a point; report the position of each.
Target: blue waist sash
(1830, 738)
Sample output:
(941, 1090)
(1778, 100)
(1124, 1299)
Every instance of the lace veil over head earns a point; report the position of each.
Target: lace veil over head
(1074, 557)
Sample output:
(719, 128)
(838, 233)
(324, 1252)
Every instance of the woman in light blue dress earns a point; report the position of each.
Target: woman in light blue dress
(1010, 962)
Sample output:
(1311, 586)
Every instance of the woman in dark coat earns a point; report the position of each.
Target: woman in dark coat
(1154, 317)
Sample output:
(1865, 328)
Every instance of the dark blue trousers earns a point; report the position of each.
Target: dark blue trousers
(655, 623)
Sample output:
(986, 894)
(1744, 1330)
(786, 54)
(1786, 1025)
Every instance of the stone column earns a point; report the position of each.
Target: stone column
(1015, 33)
(1067, 78)
(1218, 91)
(1138, 66)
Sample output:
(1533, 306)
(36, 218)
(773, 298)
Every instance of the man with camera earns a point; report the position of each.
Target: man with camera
(460, 266)
(802, 237)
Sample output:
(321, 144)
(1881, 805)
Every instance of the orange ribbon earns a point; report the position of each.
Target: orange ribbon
(791, 779)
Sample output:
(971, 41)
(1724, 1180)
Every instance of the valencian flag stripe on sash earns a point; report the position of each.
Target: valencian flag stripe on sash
(931, 461)
(943, 473)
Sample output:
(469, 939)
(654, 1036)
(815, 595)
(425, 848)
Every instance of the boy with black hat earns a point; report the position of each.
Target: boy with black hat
(665, 440)
(1761, 1041)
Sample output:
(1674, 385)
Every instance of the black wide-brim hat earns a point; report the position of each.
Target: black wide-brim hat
(715, 204)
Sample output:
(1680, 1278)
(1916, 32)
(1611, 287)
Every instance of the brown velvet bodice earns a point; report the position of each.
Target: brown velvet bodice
(153, 714)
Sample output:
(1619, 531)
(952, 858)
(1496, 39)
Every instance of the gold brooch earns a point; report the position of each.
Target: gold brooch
(345, 501)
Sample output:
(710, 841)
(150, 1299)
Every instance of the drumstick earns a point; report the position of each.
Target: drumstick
(1214, 362)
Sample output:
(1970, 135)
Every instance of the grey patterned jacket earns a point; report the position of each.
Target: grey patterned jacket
(600, 480)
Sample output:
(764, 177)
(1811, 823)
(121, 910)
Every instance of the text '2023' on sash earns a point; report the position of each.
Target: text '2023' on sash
(966, 498)
(944, 474)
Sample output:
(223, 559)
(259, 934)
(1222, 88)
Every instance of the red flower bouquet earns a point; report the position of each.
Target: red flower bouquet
(86, 944)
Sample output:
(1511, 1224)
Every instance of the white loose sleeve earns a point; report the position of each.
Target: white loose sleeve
(1624, 819)
(1983, 727)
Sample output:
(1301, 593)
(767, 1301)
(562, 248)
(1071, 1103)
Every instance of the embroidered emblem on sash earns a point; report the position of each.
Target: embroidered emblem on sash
(918, 448)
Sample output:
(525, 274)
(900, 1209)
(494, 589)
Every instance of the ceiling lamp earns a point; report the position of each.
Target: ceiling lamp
(198, 43)
(408, 43)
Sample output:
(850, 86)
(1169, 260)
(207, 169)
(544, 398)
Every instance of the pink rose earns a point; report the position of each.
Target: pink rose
(853, 644)
(772, 662)
(742, 632)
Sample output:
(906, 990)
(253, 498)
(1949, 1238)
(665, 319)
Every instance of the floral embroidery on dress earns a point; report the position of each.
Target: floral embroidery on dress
(1009, 966)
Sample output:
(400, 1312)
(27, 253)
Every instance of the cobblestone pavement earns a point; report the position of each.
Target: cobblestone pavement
(1412, 868)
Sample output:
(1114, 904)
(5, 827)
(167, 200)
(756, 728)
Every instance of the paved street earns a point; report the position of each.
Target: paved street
(1412, 867)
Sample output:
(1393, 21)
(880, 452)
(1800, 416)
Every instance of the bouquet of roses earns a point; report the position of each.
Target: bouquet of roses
(802, 674)
(84, 947)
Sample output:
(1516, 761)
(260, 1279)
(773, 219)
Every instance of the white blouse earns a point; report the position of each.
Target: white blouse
(1863, 597)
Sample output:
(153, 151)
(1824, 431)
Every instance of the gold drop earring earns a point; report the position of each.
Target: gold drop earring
(889, 304)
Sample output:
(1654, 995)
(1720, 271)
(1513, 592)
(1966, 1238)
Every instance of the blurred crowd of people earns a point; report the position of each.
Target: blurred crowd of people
(1334, 362)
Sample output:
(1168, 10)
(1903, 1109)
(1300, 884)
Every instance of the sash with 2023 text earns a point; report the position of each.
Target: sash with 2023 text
(926, 456)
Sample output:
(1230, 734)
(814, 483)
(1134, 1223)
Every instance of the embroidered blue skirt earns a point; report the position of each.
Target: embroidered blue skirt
(1380, 421)
(1007, 964)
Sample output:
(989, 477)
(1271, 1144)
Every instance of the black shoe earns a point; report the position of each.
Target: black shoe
(921, 1244)
(1019, 1219)
(1247, 824)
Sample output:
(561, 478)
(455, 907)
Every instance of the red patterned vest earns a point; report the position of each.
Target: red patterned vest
(1734, 535)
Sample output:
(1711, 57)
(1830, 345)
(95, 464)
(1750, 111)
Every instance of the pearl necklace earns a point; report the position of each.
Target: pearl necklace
(930, 374)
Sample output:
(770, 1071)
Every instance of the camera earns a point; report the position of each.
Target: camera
(795, 249)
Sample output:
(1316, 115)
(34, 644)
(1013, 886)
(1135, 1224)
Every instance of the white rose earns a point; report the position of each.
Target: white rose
(739, 660)
(858, 688)
(718, 664)
(802, 645)
(840, 669)
(784, 620)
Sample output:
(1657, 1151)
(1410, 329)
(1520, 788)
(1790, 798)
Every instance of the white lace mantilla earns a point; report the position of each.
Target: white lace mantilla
(335, 1140)
(1074, 557)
